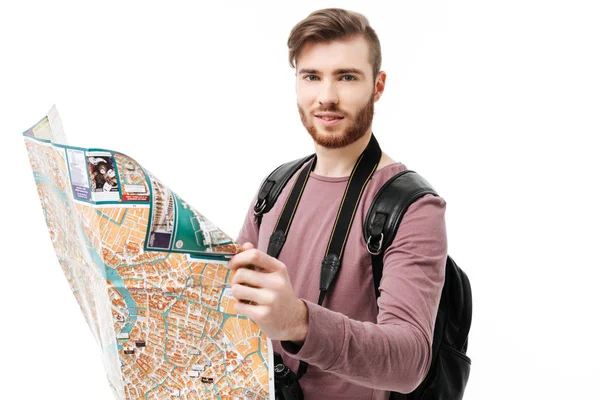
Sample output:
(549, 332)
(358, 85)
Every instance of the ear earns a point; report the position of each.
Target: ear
(380, 84)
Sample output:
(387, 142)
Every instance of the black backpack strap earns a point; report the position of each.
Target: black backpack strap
(385, 214)
(381, 223)
(273, 184)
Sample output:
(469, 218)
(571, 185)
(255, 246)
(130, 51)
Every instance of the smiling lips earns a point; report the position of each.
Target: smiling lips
(329, 119)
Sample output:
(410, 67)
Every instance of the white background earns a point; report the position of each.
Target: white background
(495, 103)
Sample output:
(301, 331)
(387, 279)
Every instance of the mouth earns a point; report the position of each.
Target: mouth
(329, 121)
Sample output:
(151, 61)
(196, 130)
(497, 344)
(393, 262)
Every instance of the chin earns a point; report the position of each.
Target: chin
(329, 139)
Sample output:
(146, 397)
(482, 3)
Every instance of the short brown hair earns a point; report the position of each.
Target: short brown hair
(331, 24)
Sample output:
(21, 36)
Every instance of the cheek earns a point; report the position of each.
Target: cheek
(357, 102)
(304, 107)
(304, 101)
(306, 95)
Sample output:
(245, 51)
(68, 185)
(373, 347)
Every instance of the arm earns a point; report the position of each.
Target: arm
(249, 230)
(395, 353)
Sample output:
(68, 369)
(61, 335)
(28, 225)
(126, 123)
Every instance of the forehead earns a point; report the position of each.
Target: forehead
(329, 56)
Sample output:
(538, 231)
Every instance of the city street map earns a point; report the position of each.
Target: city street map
(149, 274)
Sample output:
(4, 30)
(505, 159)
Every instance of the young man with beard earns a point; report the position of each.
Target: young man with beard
(356, 346)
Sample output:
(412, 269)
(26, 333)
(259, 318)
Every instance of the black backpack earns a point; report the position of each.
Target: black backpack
(450, 366)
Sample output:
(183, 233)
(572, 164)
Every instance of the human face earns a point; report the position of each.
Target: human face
(336, 78)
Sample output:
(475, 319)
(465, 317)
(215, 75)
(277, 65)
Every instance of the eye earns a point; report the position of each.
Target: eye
(353, 78)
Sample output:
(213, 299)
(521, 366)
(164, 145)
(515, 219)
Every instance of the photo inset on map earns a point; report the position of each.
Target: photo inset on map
(133, 180)
(103, 176)
(78, 174)
(163, 217)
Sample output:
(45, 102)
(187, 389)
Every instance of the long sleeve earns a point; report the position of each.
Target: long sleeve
(249, 230)
(395, 353)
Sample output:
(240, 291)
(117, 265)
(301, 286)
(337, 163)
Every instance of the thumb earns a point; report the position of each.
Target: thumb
(247, 246)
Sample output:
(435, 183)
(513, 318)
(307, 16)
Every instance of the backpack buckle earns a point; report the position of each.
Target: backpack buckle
(378, 247)
(260, 206)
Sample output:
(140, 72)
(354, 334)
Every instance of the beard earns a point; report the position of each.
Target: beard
(331, 140)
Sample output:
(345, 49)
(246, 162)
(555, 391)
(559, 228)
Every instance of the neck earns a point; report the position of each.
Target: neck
(339, 162)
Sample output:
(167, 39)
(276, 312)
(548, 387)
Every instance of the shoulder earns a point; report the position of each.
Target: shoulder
(422, 221)
(385, 173)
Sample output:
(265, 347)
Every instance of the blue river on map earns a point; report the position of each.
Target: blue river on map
(111, 274)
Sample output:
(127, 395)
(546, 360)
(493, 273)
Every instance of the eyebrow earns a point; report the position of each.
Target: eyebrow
(336, 72)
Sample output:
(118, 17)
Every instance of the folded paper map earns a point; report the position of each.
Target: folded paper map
(149, 273)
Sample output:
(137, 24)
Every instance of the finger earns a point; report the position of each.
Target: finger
(245, 246)
(254, 312)
(258, 296)
(248, 277)
(254, 257)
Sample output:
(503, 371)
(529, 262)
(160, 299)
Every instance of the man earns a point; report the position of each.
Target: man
(353, 350)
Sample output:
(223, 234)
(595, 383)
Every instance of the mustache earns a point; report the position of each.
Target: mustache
(330, 109)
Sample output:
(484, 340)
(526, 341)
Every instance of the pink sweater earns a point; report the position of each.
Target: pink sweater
(353, 351)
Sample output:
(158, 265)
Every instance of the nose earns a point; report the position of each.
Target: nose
(328, 93)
